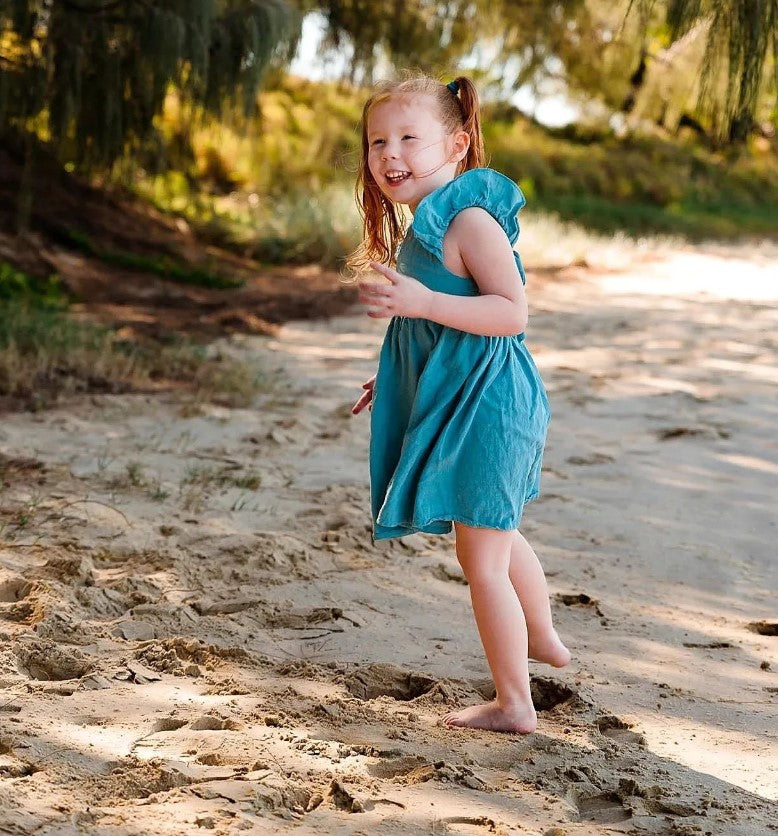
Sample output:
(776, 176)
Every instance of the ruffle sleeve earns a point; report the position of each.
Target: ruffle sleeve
(482, 187)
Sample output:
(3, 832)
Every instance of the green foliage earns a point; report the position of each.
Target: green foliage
(164, 266)
(287, 203)
(305, 134)
(293, 196)
(639, 184)
(42, 293)
(304, 228)
(590, 50)
(93, 75)
(41, 348)
(436, 37)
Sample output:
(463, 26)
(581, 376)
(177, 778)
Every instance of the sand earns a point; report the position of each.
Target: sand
(196, 632)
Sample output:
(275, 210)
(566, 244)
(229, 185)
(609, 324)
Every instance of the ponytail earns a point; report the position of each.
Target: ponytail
(467, 97)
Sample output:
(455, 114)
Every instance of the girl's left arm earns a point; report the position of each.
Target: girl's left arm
(500, 310)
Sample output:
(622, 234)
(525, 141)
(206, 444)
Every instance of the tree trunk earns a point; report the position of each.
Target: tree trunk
(26, 186)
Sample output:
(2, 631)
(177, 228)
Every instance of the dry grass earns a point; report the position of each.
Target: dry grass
(45, 354)
(548, 242)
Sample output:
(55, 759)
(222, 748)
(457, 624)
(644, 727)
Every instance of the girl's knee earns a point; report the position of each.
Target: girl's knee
(480, 575)
(484, 554)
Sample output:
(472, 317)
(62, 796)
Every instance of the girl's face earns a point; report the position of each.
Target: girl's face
(410, 154)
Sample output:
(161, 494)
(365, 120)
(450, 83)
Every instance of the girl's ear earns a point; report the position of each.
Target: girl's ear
(461, 146)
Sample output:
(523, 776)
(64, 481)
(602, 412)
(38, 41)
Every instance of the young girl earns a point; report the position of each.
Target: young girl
(458, 411)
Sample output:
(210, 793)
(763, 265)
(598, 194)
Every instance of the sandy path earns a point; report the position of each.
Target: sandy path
(197, 633)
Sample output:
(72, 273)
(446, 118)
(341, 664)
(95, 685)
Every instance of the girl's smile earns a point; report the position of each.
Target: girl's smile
(394, 178)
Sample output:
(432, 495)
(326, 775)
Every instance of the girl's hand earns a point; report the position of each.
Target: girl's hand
(404, 296)
(366, 398)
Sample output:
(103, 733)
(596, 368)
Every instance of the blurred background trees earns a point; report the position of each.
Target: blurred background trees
(665, 110)
(198, 142)
(714, 61)
(90, 76)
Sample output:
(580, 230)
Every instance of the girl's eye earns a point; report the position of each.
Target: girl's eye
(377, 141)
(409, 136)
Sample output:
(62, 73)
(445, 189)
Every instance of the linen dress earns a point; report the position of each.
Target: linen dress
(459, 420)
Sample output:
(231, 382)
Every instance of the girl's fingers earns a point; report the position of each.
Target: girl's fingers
(375, 289)
(374, 300)
(390, 274)
(379, 304)
(364, 399)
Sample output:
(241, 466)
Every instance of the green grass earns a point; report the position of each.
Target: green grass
(44, 293)
(294, 226)
(44, 352)
(694, 222)
(642, 184)
(162, 266)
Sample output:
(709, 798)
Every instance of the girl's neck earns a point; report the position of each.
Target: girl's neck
(414, 206)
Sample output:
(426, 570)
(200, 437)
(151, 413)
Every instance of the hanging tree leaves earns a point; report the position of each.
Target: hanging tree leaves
(92, 74)
(435, 36)
(742, 38)
(597, 49)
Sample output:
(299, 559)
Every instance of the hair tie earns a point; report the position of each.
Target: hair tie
(453, 86)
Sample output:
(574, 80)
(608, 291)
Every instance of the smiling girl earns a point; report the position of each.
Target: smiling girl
(458, 410)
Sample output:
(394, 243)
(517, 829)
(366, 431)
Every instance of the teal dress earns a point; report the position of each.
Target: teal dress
(459, 420)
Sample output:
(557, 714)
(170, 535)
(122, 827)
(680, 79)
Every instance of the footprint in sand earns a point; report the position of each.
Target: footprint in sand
(579, 599)
(620, 803)
(603, 808)
(401, 767)
(470, 825)
(17, 602)
(763, 628)
(616, 729)
(701, 431)
(11, 765)
(449, 573)
(345, 797)
(591, 459)
(382, 679)
(13, 589)
(167, 724)
(547, 693)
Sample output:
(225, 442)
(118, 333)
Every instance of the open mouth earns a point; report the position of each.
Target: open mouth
(396, 177)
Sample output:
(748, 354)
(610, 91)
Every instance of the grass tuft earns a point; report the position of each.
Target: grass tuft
(45, 353)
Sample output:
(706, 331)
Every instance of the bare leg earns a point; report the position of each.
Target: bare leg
(529, 581)
(485, 556)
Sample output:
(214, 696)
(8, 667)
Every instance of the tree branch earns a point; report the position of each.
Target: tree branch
(80, 7)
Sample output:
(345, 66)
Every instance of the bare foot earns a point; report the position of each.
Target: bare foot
(549, 649)
(491, 716)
